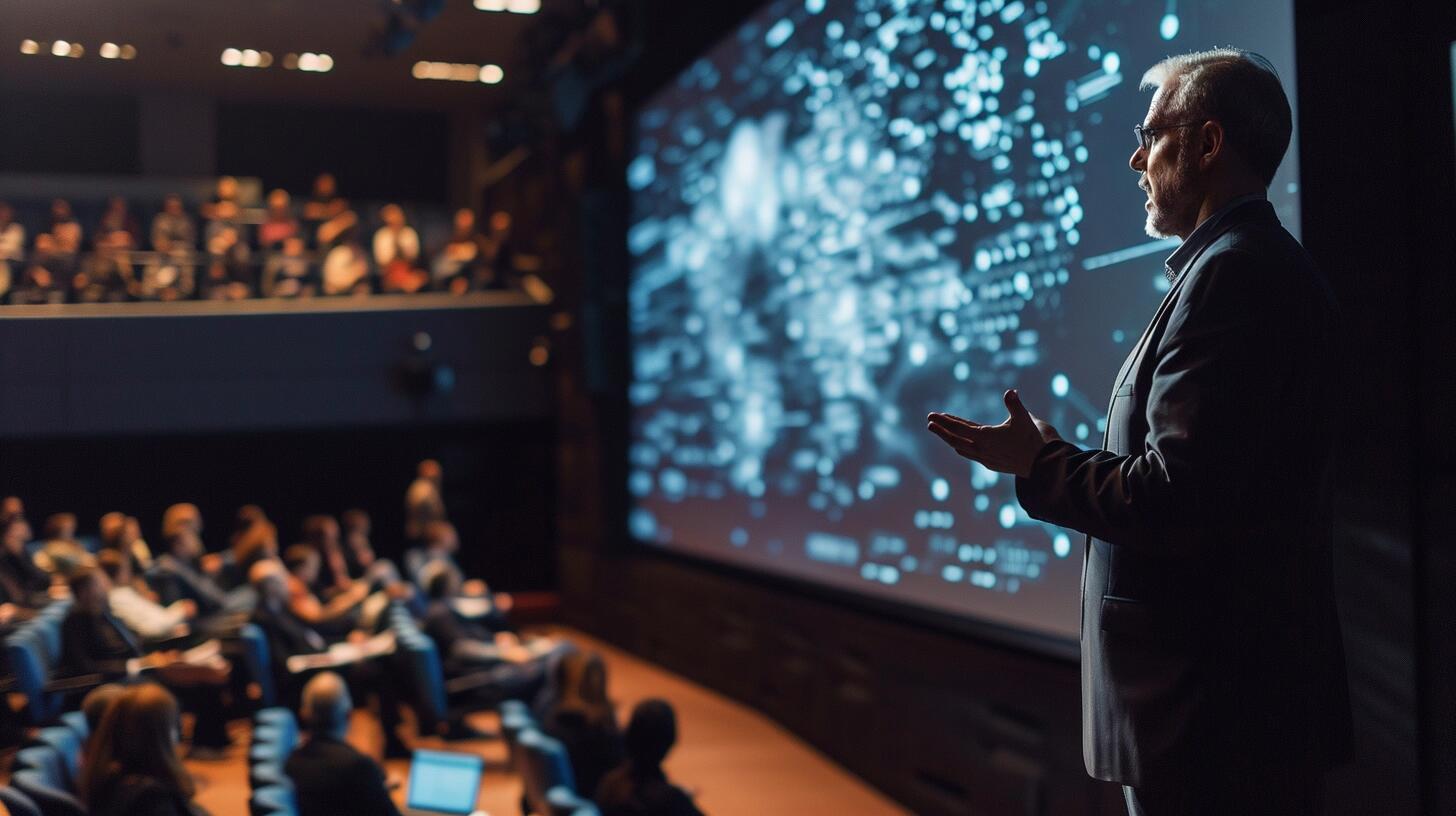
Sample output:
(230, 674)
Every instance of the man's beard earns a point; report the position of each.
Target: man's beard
(1165, 221)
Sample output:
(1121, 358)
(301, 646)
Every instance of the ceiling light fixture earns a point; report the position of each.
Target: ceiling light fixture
(29, 47)
(458, 72)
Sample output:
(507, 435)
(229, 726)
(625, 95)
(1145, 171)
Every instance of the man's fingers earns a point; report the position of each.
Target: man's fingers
(1013, 404)
(961, 445)
(955, 423)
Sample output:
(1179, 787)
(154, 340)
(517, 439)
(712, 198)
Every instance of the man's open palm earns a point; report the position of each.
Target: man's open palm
(1009, 447)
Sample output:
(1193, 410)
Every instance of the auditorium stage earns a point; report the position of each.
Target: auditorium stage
(734, 759)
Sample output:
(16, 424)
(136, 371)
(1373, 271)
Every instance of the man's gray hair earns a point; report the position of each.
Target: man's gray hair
(325, 704)
(1240, 90)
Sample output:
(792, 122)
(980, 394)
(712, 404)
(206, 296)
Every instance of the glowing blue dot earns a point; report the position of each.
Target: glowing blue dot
(918, 353)
(780, 33)
(982, 502)
(1168, 28)
(1007, 516)
(1061, 385)
(1032, 66)
(1081, 430)
(739, 537)
(940, 489)
(641, 172)
(1062, 545)
(1111, 62)
(813, 6)
(962, 371)
(1021, 282)
(1118, 335)
(643, 524)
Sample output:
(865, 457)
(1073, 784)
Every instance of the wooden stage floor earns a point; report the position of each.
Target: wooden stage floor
(736, 761)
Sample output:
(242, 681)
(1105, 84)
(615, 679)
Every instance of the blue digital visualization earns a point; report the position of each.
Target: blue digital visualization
(851, 213)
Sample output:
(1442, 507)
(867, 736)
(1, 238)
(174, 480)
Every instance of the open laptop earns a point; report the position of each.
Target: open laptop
(444, 782)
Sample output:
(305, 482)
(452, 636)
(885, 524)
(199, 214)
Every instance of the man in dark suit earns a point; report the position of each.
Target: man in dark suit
(329, 775)
(1213, 676)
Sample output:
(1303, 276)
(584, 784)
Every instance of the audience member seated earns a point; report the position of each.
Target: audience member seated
(224, 206)
(287, 637)
(228, 275)
(322, 203)
(499, 269)
(168, 276)
(131, 768)
(638, 787)
(468, 646)
(93, 641)
(289, 272)
(321, 532)
(278, 222)
(60, 553)
(345, 268)
(107, 275)
(397, 253)
(140, 612)
(186, 572)
(123, 533)
(329, 775)
(67, 231)
(12, 248)
(24, 583)
(440, 543)
(458, 263)
(336, 617)
(584, 720)
(118, 218)
(172, 229)
(359, 552)
(424, 501)
(45, 278)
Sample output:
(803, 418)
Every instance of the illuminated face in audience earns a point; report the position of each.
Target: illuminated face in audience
(1168, 168)
(278, 202)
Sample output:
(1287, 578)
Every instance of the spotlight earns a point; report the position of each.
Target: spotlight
(60, 48)
(128, 52)
(109, 50)
(29, 47)
(232, 57)
(491, 74)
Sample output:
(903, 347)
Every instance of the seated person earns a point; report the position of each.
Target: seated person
(94, 641)
(184, 571)
(44, 279)
(93, 708)
(329, 775)
(397, 253)
(141, 613)
(227, 274)
(356, 528)
(168, 276)
(289, 272)
(467, 646)
(124, 533)
(584, 720)
(323, 201)
(346, 267)
(108, 275)
(131, 766)
(172, 229)
(24, 583)
(463, 259)
(336, 617)
(423, 501)
(278, 222)
(61, 554)
(322, 533)
(287, 636)
(638, 787)
(117, 217)
(440, 544)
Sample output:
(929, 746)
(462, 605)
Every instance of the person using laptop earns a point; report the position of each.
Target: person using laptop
(329, 775)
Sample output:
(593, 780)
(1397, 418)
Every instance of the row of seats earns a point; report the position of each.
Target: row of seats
(46, 775)
(543, 765)
(275, 734)
(32, 653)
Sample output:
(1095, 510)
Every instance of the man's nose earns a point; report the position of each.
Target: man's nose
(1138, 160)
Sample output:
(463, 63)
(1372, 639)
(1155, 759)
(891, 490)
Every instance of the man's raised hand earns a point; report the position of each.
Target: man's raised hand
(1009, 447)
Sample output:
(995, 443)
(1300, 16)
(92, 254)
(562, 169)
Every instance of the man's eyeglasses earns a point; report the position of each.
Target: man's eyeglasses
(1145, 134)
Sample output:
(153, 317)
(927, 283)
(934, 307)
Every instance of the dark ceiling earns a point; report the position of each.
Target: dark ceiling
(180, 42)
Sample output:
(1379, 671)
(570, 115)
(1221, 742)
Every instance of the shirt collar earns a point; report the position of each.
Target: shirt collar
(1203, 235)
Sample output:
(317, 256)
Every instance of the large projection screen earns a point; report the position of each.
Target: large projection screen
(851, 213)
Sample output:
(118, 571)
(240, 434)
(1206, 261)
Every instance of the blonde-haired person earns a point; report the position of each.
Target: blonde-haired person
(132, 767)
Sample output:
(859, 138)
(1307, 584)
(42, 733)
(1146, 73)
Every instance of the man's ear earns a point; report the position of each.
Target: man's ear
(1211, 143)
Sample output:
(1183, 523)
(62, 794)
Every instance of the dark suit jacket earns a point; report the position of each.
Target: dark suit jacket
(96, 644)
(330, 777)
(1210, 643)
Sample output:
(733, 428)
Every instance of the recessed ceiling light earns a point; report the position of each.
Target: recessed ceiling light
(523, 6)
(491, 5)
(491, 74)
(29, 47)
(60, 48)
(109, 50)
(128, 51)
(232, 57)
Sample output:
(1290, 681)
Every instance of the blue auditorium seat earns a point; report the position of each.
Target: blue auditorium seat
(76, 721)
(515, 717)
(420, 660)
(18, 803)
(563, 802)
(40, 773)
(267, 775)
(67, 745)
(275, 800)
(32, 652)
(546, 773)
(258, 662)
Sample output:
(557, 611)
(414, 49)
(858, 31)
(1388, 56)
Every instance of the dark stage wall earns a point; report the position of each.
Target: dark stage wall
(952, 724)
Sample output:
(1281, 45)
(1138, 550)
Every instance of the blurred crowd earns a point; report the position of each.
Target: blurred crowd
(228, 251)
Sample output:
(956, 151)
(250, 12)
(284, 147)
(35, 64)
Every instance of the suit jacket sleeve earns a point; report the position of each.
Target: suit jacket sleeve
(1219, 371)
